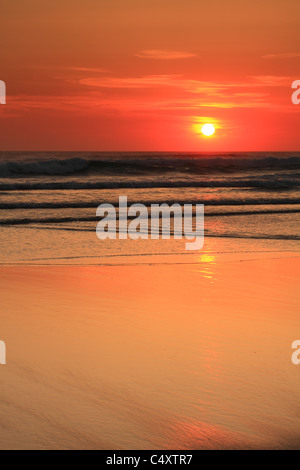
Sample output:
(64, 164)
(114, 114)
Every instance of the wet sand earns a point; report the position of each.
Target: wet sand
(191, 356)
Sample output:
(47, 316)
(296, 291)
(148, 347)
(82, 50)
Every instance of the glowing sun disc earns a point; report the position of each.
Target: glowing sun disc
(208, 129)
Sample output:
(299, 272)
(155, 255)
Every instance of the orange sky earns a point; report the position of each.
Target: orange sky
(133, 75)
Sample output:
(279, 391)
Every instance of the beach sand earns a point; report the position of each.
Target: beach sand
(181, 356)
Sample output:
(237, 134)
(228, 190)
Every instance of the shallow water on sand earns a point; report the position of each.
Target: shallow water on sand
(143, 357)
(49, 199)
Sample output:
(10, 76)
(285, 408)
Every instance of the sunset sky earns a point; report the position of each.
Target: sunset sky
(133, 75)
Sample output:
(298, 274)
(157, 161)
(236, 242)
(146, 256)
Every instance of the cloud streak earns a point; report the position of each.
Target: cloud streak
(286, 55)
(157, 54)
(157, 94)
(188, 85)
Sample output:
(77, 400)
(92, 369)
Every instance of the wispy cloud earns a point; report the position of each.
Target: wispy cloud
(189, 85)
(131, 82)
(111, 94)
(271, 80)
(285, 55)
(158, 54)
(87, 69)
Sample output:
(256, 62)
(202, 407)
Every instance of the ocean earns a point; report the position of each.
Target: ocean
(49, 200)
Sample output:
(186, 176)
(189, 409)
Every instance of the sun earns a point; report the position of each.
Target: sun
(208, 130)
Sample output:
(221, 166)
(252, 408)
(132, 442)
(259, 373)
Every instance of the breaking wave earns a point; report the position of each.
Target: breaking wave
(267, 182)
(198, 164)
